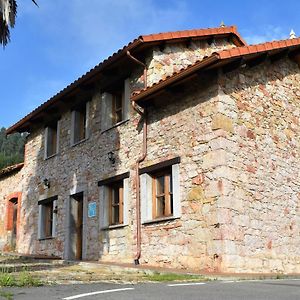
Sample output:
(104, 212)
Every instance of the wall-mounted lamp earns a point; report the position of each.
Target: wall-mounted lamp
(46, 183)
(111, 157)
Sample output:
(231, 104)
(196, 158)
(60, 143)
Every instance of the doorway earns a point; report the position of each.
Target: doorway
(76, 226)
(14, 228)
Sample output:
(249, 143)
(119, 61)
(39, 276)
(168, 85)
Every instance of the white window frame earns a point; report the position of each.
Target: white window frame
(104, 190)
(146, 181)
(107, 117)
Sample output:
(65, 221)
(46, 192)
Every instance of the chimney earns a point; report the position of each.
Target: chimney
(292, 34)
(222, 25)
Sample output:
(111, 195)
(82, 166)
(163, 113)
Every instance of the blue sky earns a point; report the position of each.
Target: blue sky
(54, 44)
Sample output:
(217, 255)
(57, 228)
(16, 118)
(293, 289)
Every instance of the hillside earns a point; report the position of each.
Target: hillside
(11, 148)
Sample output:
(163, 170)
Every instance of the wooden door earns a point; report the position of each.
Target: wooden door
(14, 203)
(79, 227)
(76, 226)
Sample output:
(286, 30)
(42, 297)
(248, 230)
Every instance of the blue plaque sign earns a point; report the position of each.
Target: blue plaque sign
(92, 209)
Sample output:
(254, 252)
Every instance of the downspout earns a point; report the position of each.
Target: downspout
(143, 115)
(142, 64)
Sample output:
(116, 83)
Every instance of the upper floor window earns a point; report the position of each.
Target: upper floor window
(51, 139)
(79, 124)
(115, 105)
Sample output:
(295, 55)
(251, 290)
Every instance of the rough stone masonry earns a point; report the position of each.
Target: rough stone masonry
(236, 136)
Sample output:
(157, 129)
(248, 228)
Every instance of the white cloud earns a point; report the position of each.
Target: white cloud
(268, 34)
(83, 33)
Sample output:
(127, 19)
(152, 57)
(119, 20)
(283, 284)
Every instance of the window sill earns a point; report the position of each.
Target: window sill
(117, 226)
(115, 125)
(77, 143)
(51, 156)
(161, 220)
(47, 238)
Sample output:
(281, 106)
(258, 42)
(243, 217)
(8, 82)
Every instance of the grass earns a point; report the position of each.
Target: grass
(21, 279)
(166, 277)
(6, 295)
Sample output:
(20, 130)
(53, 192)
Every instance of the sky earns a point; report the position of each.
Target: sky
(54, 44)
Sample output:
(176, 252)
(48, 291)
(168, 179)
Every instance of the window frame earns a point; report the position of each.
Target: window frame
(167, 194)
(106, 187)
(49, 142)
(118, 111)
(148, 176)
(80, 122)
(116, 188)
(47, 218)
(113, 115)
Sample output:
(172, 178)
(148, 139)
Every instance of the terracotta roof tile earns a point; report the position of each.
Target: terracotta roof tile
(221, 55)
(193, 33)
(11, 169)
(231, 30)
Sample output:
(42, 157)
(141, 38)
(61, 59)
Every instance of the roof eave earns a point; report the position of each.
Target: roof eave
(11, 169)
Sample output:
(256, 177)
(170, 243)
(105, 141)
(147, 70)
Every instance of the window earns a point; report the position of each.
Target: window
(162, 201)
(116, 203)
(47, 218)
(114, 194)
(160, 191)
(115, 105)
(79, 124)
(51, 139)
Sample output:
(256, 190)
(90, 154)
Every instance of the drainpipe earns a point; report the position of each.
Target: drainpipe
(143, 115)
(137, 182)
(142, 64)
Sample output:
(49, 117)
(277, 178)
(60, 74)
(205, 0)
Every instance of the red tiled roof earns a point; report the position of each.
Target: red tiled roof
(252, 49)
(133, 45)
(195, 33)
(224, 55)
(11, 169)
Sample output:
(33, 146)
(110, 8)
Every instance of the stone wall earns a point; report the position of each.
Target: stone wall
(79, 168)
(10, 184)
(164, 61)
(236, 135)
(260, 197)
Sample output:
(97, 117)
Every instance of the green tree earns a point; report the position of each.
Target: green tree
(11, 148)
(8, 14)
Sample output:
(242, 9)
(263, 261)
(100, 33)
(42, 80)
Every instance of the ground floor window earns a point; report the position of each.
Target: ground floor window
(47, 218)
(114, 195)
(160, 191)
(162, 195)
(116, 203)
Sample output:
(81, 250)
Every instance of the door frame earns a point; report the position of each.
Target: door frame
(9, 214)
(67, 247)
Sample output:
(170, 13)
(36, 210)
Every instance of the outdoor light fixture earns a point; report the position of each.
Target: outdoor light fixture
(111, 157)
(46, 183)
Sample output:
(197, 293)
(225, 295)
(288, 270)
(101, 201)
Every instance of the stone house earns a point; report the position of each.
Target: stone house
(179, 150)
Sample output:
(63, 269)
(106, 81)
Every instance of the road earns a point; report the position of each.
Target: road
(215, 290)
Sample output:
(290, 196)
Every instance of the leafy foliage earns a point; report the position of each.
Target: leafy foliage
(11, 148)
(8, 14)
